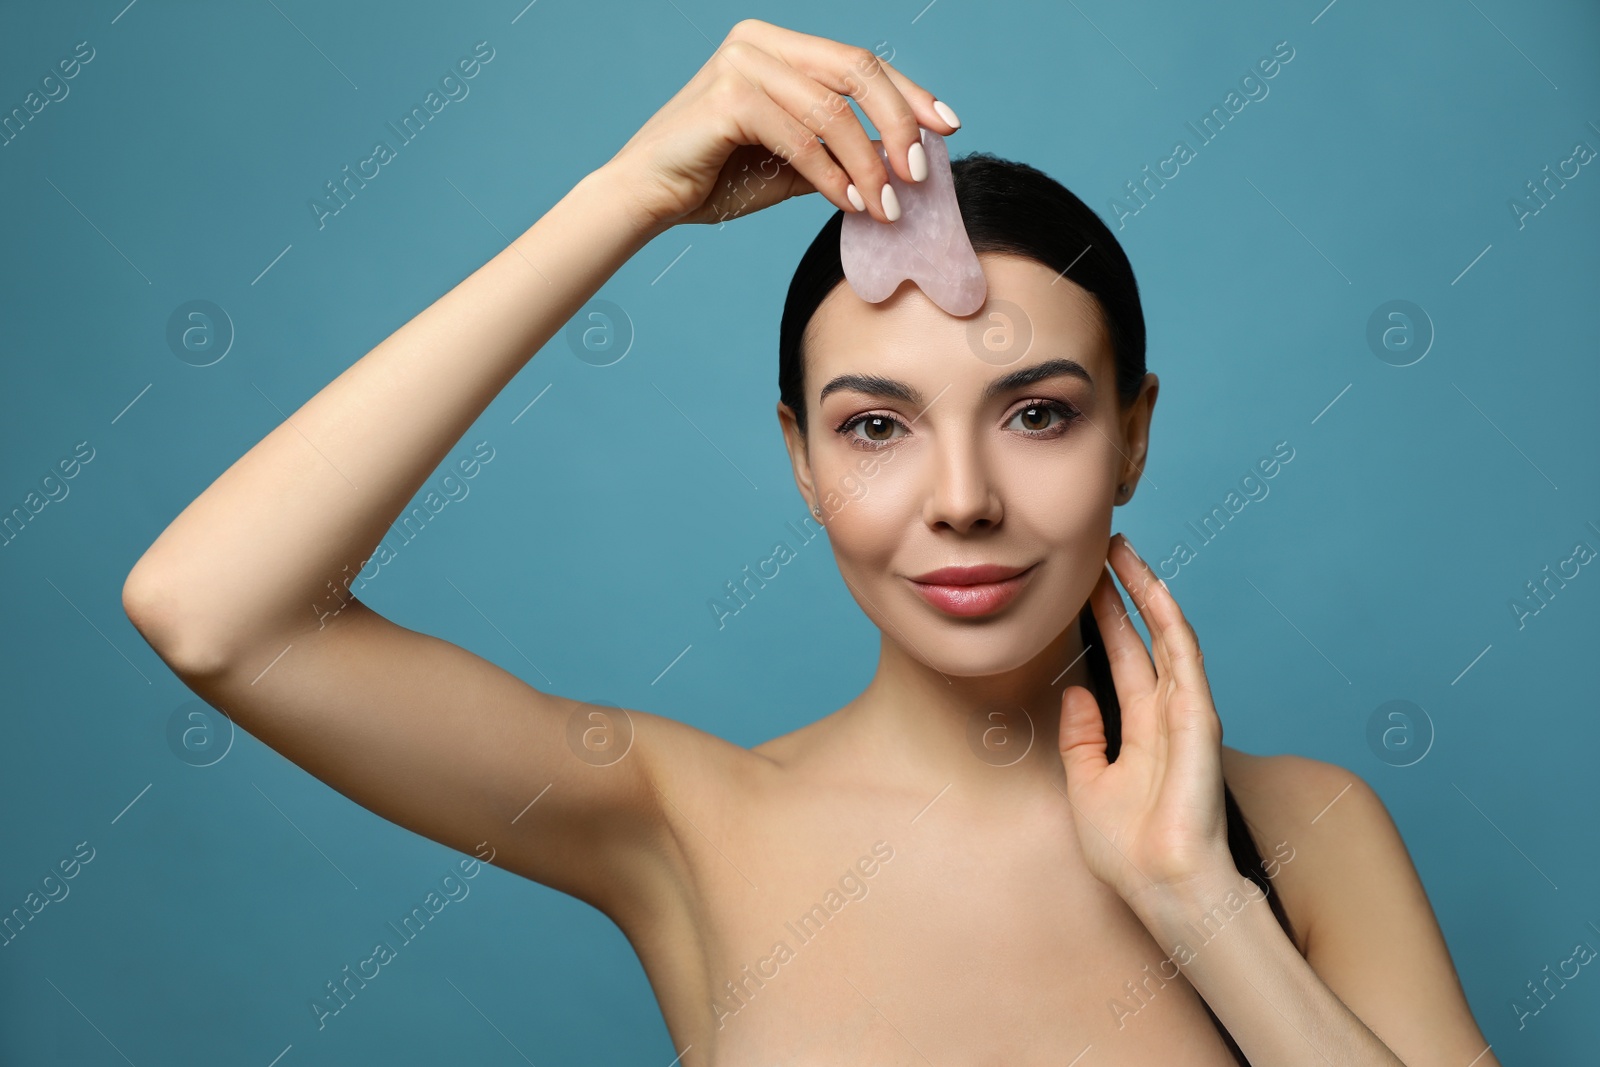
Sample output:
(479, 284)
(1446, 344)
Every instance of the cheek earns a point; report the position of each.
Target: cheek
(867, 507)
(1066, 510)
(1064, 501)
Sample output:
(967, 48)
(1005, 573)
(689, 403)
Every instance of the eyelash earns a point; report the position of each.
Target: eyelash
(1068, 413)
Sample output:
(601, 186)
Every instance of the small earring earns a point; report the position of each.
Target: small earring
(1122, 490)
(815, 510)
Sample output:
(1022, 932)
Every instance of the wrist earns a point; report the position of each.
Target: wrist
(1206, 899)
(617, 192)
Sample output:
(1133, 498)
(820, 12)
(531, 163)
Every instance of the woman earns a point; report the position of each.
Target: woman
(920, 875)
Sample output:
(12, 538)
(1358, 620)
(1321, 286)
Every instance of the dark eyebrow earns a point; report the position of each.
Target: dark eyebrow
(890, 389)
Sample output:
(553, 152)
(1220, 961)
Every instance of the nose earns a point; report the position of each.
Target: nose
(963, 494)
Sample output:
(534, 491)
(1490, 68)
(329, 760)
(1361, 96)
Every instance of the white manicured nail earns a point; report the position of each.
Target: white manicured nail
(945, 113)
(854, 195)
(919, 162)
(891, 202)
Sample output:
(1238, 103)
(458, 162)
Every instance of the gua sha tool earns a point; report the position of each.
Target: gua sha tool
(928, 244)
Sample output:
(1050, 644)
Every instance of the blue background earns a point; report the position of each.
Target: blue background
(1382, 565)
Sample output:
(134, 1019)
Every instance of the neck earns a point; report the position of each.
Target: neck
(994, 734)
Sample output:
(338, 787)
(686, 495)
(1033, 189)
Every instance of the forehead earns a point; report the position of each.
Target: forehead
(912, 338)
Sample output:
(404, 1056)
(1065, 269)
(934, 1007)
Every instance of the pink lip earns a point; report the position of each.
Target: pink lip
(972, 591)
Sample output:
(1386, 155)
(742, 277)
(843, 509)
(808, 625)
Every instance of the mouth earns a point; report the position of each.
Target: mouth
(972, 591)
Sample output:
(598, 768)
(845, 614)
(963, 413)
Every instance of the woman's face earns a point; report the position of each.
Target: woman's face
(926, 449)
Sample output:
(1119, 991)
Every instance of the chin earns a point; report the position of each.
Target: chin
(973, 648)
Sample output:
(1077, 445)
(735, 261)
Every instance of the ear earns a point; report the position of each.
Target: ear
(795, 442)
(1136, 430)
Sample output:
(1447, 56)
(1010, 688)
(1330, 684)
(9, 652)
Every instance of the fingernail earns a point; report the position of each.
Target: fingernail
(1129, 545)
(918, 159)
(891, 202)
(945, 113)
(855, 197)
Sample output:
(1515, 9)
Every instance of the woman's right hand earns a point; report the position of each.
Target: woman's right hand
(743, 133)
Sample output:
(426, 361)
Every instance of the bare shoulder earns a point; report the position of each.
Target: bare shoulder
(1318, 821)
(695, 765)
(1353, 893)
(1283, 786)
(696, 778)
(707, 788)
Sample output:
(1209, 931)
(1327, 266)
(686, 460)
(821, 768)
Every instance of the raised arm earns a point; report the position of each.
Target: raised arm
(413, 728)
(234, 594)
(318, 493)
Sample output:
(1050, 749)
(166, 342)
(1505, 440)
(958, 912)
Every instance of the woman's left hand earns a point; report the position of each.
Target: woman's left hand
(1152, 824)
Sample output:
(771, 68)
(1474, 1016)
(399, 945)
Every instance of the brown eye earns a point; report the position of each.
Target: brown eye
(1036, 417)
(879, 429)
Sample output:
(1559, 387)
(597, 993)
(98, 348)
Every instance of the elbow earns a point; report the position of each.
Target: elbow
(153, 602)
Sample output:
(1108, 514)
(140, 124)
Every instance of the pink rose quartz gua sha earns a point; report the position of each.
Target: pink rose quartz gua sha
(928, 244)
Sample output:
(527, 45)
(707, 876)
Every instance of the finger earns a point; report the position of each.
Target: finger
(1082, 736)
(921, 100)
(813, 111)
(1137, 583)
(895, 104)
(778, 129)
(1132, 673)
(883, 99)
(1173, 641)
(810, 54)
